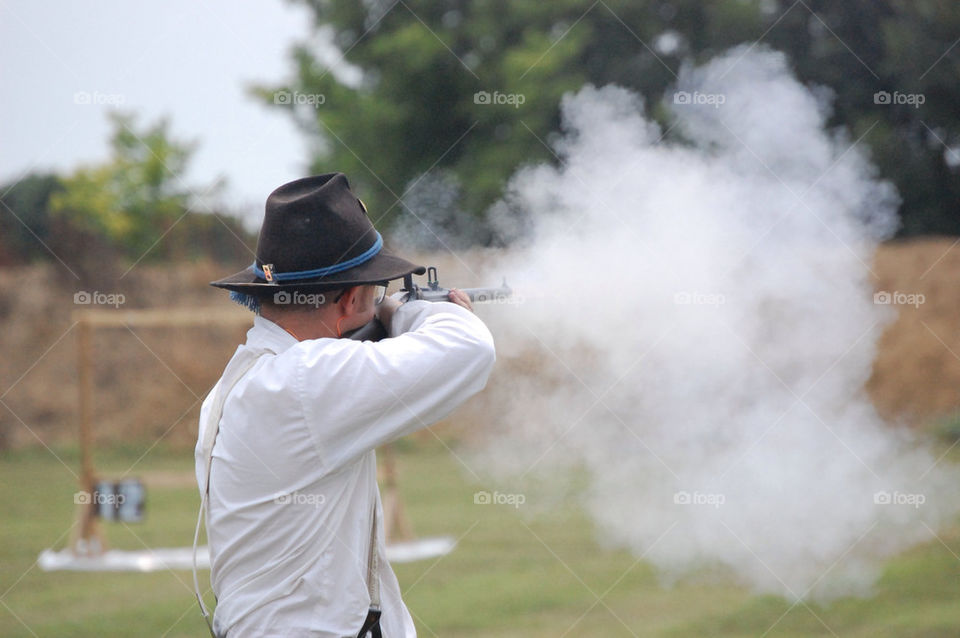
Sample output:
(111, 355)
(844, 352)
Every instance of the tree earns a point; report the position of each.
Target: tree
(427, 70)
(893, 67)
(428, 65)
(134, 206)
(135, 197)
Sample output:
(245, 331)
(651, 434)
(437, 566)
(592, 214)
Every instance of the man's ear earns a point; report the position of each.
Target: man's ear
(350, 301)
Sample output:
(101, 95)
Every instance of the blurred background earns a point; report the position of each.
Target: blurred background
(140, 141)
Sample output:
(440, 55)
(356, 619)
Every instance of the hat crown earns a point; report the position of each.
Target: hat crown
(313, 223)
(316, 236)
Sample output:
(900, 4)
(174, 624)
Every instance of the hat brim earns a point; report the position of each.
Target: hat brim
(385, 266)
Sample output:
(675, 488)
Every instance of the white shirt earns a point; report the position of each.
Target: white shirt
(293, 477)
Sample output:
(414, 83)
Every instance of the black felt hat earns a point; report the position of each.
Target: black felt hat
(316, 236)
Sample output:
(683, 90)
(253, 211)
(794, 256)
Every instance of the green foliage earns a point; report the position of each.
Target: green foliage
(134, 206)
(136, 196)
(860, 48)
(423, 64)
(423, 61)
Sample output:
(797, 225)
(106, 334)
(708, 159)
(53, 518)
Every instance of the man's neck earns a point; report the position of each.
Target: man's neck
(304, 325)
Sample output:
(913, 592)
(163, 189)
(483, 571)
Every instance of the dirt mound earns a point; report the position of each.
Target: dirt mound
(916, 375)
(150, 381)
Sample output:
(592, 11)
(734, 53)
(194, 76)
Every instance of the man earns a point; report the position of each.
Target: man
(293, 508)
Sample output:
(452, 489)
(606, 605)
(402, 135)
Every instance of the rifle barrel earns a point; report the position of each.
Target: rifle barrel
(477, 295)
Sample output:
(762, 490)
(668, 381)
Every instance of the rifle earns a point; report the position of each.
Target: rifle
(375, 331)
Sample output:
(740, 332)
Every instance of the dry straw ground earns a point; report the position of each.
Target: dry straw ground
(149, 381)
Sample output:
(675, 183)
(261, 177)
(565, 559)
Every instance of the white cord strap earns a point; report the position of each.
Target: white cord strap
(373, 571)
(235, 370)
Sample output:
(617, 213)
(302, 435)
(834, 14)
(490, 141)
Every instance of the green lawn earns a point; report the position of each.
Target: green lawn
(509, 576)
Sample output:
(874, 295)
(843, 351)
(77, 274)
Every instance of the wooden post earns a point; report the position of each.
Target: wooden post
(396, 525)
(87, 540)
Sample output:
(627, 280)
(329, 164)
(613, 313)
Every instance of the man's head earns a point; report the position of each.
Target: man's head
(316, 241)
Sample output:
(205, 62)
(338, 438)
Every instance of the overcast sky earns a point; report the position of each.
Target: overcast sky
(187, 59)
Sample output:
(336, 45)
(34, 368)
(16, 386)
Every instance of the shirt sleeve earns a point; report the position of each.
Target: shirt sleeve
(359, 395)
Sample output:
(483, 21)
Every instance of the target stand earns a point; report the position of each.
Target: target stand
(124, 499)
(402, 545)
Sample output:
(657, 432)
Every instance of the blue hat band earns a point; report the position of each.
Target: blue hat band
(366, 256)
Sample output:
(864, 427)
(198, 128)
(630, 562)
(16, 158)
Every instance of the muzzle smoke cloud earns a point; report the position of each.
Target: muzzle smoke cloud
(697, 327)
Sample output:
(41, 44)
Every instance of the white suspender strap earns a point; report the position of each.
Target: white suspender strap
(373, 571)
(238, 366)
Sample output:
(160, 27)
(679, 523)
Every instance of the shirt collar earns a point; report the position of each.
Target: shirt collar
(267, 334)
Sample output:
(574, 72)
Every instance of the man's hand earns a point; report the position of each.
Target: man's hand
(460, 298)
(390, 304)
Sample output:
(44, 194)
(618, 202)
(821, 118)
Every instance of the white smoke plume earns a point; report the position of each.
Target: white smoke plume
(696, 326)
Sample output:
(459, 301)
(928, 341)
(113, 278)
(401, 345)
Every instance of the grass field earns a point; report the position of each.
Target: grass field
(508, 577)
